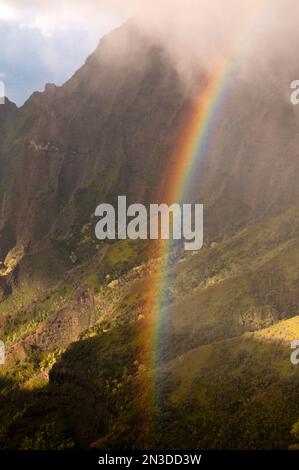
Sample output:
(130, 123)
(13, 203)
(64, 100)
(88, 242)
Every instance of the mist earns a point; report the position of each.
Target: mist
(193, 32)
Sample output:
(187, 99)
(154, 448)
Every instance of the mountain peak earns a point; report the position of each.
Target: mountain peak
(50, 87)
(6, 107)
(5, 102)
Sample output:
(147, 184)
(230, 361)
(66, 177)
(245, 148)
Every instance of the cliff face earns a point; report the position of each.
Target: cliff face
(107, 131)
(111, 130)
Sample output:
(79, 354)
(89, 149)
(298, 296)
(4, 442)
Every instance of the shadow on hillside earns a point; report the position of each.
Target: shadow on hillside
(237, 394)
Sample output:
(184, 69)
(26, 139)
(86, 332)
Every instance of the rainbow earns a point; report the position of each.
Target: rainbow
(190, 152)
(201, 122)
(203, 119)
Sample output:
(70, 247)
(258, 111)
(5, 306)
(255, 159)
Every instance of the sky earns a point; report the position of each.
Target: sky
(38, 47)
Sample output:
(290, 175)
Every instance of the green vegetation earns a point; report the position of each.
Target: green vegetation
(12, 259)
(225, 379)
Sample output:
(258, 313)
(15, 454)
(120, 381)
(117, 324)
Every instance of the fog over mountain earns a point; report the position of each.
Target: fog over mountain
(193, 32)
(134, 69)
(191, 29)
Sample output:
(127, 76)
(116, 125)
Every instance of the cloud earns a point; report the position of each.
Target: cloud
(193, 31)
(50, 16)
(187, 27)
(7, 12)
(157, 14)
(190, 24)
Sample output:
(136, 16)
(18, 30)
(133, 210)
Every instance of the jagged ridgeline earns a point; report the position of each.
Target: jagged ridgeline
(75, 313)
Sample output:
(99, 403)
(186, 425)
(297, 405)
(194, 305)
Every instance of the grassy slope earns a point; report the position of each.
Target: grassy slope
(225, 381)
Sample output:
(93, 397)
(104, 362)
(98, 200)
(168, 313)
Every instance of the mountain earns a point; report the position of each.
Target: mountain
(104, 129)
(6, 109)
(74, 312)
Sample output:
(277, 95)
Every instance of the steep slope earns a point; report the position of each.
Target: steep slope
(112, 128)
(225, 380)
(107, 128)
